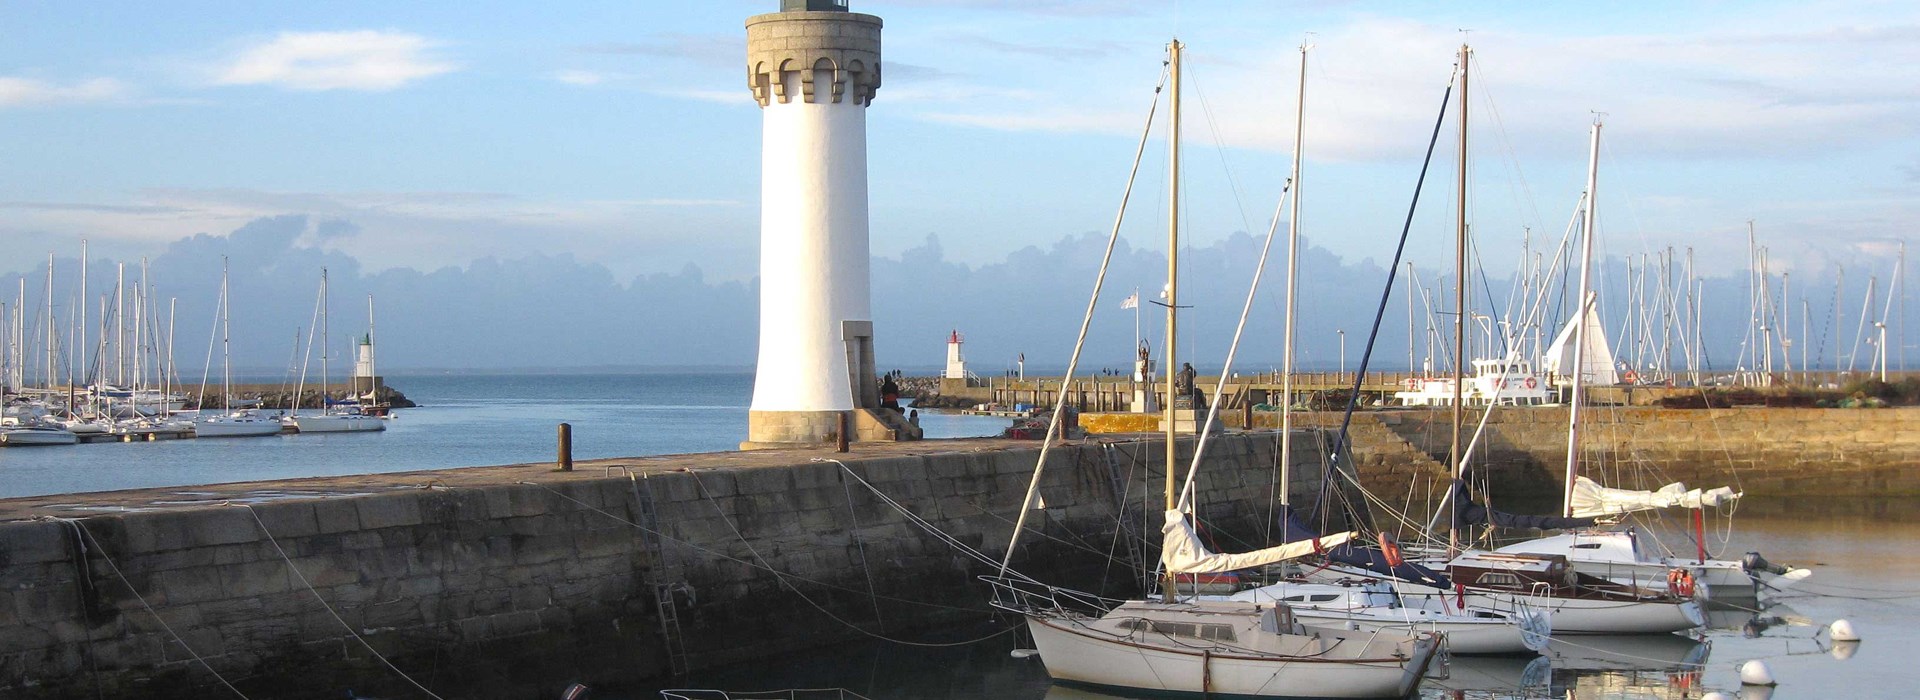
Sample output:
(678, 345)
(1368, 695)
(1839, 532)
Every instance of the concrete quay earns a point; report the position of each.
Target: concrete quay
(512, 581)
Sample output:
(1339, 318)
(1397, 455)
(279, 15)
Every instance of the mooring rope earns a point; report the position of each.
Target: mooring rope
(81, 528)
(782, 578)
(329, 607)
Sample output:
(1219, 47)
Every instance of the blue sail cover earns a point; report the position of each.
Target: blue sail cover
(1364, 556)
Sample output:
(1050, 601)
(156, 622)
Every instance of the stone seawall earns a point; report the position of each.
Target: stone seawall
(512, 581)
(1766, 452)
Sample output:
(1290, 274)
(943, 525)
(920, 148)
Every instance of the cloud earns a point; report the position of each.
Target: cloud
(352, 60)
(582, 78)
(424, 229)
(24, 92)
(1057, 8)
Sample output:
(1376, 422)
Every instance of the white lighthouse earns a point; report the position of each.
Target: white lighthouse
(814, 67)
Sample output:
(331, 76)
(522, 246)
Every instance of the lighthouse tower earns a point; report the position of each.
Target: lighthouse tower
(956, 362)
(813, 67)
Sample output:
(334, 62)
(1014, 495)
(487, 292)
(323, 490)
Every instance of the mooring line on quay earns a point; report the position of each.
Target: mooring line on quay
(782, 576)
(82, 530)
(323, 601)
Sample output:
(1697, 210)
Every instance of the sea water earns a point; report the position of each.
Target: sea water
(463, 420)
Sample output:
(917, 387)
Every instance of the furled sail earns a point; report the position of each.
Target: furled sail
(1590, 499)
(1598, 360)
(1182, 552)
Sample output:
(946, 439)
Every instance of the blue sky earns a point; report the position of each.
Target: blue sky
(622, 132)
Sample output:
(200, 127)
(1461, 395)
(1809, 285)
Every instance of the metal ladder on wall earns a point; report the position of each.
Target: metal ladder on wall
(664, 600)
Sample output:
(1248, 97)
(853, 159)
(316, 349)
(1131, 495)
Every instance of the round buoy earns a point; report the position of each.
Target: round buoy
(1717, 695)
(1842, 631)
(1755, 672)
(1025, 653)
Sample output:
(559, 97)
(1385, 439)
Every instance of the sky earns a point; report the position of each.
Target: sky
(416, 137)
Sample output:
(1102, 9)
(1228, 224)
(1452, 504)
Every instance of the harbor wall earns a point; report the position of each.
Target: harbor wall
(1765, 452)
(499, 581)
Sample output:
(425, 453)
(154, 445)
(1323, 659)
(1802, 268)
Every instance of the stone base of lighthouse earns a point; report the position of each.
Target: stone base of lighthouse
(773, 430)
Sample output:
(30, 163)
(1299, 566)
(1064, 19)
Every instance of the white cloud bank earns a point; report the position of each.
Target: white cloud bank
(354, 60)
(26, 92)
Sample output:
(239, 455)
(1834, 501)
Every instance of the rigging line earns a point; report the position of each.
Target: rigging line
(328, 606)
(782, 578)
(1219, 147)
(1086, 321)
(726, 557)
(81, 528)
(1386, 291)
(923, 524)
(1213, 407)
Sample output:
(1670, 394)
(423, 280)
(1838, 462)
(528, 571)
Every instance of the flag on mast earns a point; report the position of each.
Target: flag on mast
(1131, 302)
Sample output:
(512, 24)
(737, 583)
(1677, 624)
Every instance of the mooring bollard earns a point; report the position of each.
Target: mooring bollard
(840, 441)
(566, 447)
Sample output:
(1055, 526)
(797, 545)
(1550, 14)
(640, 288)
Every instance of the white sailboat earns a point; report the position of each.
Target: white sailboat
(230, 421)
(1204, 647)
(1619, 555)
(332, 418)
(1372, 605)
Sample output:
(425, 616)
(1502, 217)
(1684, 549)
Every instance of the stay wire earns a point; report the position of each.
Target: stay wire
(1386, 291)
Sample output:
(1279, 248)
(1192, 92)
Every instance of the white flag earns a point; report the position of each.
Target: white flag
(1131, 302)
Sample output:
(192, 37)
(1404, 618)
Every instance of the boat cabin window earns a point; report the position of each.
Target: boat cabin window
(1495, 578)
(1589, 545)
(1191, 630)
(1315, 598)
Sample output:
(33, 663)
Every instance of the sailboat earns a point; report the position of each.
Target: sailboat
(1580, 354)
(231, 422)
(1370, 605)
(1204, 647)
(333, 418)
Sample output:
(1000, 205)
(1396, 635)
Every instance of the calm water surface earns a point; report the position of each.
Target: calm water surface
(463, 421)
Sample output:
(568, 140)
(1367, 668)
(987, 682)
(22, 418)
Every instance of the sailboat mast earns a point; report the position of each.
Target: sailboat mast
(326, 341)
(1454, 457)
(226, 352)
(1168, 587)
(1293, 284)
(1580, 325)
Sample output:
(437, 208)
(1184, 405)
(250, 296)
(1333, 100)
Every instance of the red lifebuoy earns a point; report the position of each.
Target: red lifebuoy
(1680, 581)
(1632, 377)
(1531, 382)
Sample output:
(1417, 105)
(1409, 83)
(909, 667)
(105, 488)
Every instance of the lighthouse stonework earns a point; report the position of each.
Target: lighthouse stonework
(814, 68)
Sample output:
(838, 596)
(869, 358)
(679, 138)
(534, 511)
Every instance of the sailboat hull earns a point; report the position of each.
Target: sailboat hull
(1078, 654)
(31, 437)
(236, 428)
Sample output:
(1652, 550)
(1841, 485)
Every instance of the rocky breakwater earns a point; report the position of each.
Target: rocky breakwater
(277, 396)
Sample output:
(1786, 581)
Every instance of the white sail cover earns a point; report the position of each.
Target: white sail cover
(1598, 359)
(1182, 553)
(1591, 500)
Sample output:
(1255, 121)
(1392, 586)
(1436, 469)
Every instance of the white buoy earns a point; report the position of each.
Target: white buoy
(1842, 631)
(1755, 672)
(1717, 695)
(1025, 653)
